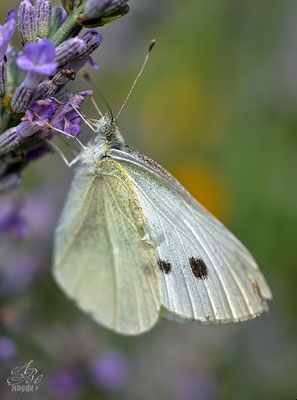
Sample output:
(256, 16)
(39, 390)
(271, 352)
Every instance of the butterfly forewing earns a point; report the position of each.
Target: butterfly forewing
(104, 258)
(206, 273)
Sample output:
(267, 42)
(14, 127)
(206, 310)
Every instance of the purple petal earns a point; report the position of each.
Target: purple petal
(41, 51)
(78, 99)
(38, 57)
(6, 32)
(11, 15)
(45, 69)
(24, 63)
(45, 109)
(77, 65)
(92, 62)
(68, 119)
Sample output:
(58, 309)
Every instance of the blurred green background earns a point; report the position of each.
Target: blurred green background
(217, 107)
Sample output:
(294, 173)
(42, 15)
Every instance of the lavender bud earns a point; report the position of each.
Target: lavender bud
(58, 17)
(49, 87)
(43, 12)
(92, 41)
(10, 139)
(3, 77)
(70, 5)
(7, 140)
(95, 8)
(27, 22)
(101, 12)
(70, 50)
(44, 90)
(22, 99)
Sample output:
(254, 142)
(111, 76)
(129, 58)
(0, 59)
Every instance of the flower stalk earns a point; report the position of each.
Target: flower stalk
(70, 23)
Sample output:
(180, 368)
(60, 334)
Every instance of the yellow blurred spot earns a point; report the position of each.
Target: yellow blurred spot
(181, 111)
(206, 186)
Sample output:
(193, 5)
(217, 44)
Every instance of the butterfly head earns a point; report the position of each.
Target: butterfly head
(106, 127)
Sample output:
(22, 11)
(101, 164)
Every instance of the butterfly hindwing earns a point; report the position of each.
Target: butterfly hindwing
(206, 273)
(102, 259)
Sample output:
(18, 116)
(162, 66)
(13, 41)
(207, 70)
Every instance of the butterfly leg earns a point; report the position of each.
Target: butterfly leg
(84, 119)
(60, 131)
(69, 164)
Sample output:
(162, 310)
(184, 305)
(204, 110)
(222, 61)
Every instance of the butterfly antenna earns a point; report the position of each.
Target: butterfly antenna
(151, 46)
(88, 79)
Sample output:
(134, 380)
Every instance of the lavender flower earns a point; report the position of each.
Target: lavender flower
(38, 58)
(31, 124)
(38, 61)
(110, 370)
(41, 111)
(52, 55)
(6, 33)
(68, 120)
(77, 65)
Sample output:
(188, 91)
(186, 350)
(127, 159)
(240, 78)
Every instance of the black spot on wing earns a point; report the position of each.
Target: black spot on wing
(199, 268)
(256, 289)
(165, 266)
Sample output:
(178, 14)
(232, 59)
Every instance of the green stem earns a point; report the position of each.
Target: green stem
(70, 22)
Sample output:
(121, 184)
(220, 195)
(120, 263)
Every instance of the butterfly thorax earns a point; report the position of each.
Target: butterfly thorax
(107, 137)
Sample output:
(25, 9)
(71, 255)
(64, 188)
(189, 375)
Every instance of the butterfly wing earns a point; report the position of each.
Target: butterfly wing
(101, 259)
(206, 272)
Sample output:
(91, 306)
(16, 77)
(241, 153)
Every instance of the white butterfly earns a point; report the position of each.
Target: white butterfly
(133, 245)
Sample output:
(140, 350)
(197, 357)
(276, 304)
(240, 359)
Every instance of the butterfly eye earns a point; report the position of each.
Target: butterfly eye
(105, 129)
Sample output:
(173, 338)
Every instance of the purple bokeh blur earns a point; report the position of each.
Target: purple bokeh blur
(195, 385)
(110, 369)
(65, 383)
(7, 349)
